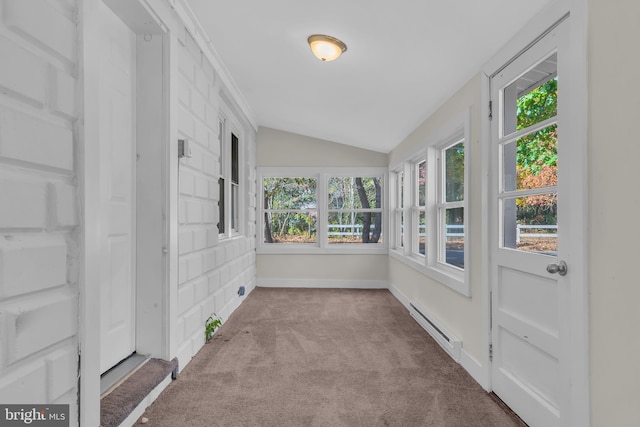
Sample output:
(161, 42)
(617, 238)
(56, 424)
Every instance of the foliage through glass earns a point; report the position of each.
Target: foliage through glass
(290, 210)
(355, 209)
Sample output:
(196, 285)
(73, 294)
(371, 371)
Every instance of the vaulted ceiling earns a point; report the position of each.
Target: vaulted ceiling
(404, 58)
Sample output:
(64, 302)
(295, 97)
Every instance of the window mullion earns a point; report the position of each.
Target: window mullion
(323, 210)
(406, 211)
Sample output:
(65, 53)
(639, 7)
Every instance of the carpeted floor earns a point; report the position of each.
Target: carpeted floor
(324, 357)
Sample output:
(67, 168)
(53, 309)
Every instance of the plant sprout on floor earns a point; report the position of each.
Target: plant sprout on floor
(211, 325)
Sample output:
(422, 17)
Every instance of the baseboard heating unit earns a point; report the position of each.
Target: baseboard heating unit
(449, 342)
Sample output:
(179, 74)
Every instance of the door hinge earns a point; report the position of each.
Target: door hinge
(490, 110)
(490, 352)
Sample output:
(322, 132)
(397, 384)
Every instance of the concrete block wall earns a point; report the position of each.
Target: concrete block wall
(38, 209)
(210, 270)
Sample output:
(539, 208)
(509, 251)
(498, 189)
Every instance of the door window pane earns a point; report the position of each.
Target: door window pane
(532, 98)
(531, 223)
(531, 161)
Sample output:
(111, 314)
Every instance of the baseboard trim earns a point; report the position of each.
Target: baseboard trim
(475, 369)
(321, 283)
(468, 362)
(399, 296)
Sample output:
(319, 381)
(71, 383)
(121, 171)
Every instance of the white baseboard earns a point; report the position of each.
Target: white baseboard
(468, 362)
(148, 400)
(399, 296)
(475, 369)
(321, 283)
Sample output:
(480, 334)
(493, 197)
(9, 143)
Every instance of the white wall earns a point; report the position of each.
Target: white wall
(326, 270)
(279, 149)
(38, 212)
(210, 271)
(614, 151)
(461, 315)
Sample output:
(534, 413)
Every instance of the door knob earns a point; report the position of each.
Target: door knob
(560, 268)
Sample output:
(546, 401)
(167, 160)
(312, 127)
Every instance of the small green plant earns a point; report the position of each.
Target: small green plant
(212, 323)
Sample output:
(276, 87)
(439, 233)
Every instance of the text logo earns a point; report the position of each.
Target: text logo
(34, 415)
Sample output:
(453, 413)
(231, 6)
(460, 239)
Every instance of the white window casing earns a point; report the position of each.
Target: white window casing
(322, 245)
(431, 260)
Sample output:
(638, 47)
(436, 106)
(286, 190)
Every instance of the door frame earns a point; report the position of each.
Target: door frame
(574, 300)
(142, 20)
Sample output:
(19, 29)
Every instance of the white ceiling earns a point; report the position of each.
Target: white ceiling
(404, 58)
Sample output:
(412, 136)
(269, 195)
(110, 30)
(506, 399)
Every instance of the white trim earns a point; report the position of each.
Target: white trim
(485, 138)
(438, 274)
(89, 197)
(323, 283)
(457, 128)
(138, 411)
(538, 25)
(230, 127)
(578, 116)
(400, 296)
(172, 170)
(475, 369)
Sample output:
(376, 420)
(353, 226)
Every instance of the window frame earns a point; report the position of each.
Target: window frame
(417, 208)
(432, 150)
(231, 213)
(322, 244)
(398, 217)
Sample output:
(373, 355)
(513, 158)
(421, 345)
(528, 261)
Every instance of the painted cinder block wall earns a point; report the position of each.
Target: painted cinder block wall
(38, 203)
(210, 270)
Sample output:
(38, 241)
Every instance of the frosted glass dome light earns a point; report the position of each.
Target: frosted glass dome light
(326, 48)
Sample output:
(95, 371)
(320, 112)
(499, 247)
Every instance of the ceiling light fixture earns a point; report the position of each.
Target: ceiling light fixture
(326, 48)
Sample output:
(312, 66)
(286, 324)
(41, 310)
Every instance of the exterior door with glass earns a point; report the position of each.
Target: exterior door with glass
(529, 233)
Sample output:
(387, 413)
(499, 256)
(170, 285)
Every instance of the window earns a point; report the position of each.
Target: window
(419, 211)
(429, 209)
(317, 210)
(290, 210)
(398, 212)
(229, 181)
(354, 210)
(451, 206)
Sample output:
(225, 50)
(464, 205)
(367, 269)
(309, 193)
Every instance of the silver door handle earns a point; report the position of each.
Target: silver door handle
(560, 268)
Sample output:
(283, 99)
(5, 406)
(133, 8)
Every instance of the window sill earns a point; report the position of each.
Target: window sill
(441, 275)
(317, 250)
(228, 239)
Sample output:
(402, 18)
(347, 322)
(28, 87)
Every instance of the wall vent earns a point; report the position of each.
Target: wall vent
(449, 342)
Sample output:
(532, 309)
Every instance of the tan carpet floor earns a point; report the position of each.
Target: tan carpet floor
(324, 357)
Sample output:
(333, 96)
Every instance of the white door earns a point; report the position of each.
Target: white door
(530, 234)
(117, 178)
